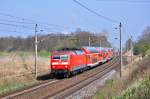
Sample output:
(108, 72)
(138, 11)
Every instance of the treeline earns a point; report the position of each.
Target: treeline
(53, 41)
(143, 44)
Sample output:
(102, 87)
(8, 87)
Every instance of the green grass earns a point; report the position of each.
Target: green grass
(20, 53)
(44, 54)
(2, 54)
(12, 85)
(148, 53)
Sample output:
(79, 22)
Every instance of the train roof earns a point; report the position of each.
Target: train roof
(81, 50)
(76, 51)
(69, 49)
(91, 49)
(101, 48)
(105, 47)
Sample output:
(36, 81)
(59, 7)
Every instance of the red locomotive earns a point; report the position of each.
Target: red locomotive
(70, 61)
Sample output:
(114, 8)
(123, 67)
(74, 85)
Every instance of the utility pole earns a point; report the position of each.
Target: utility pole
(131, 50)
(100, 43)
(89, 41)
(120, 26)
(36, 51)
(127, 44)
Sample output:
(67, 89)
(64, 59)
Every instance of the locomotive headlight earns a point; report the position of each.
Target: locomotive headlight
(53, 66)
(66, 66)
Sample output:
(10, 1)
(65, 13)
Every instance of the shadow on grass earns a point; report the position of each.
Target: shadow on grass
(44, 77)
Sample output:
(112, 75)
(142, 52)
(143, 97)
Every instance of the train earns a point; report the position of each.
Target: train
(69, 61)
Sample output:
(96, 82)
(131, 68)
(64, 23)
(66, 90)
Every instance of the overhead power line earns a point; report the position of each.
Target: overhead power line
(9, 30)
(94, 12)
(22, 24)
(30, 21)
(14, 25)
(16, 21)
(13, 31)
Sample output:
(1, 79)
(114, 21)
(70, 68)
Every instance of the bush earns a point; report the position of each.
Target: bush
(136, 50)
(140, 91)
(141, 49)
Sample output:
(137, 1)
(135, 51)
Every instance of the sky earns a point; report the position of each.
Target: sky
(66, 16)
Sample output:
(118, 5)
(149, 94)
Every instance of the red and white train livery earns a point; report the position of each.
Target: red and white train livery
(69, 61)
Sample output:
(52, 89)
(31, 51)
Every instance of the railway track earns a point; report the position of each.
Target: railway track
(65, 87)
(72, 89)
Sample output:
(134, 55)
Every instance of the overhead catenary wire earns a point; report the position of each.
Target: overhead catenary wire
(49, 29)
(42, 25)
(14, 25)
(96, 13)
(23, 33)
(9, 23)
(12, 21)
(46, 29)
(25, 20)
(12, 31)
(24, 26)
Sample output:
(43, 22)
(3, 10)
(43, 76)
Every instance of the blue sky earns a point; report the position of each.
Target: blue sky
(135, 16)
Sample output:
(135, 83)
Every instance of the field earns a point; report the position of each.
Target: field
(17, 69)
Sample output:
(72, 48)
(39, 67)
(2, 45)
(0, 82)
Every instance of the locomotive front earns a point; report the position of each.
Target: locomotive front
(60, 63)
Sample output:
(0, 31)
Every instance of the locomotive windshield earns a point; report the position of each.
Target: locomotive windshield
(64, 57)
(56, 57)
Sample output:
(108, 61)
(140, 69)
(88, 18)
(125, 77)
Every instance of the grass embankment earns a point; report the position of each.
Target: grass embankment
(139, 90)
(14, 83)
(17, 69)
(43, 54)
(134, 84)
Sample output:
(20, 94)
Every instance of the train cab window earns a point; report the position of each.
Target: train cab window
(56, 57)
(64, 57)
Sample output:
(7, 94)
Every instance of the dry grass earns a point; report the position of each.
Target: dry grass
(17, 70)
(16, 64)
